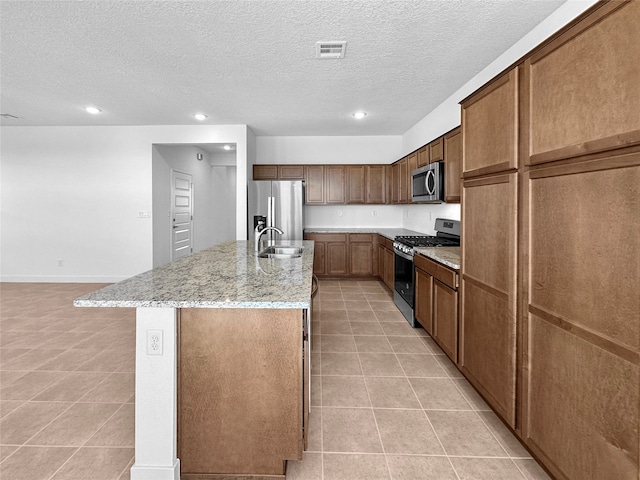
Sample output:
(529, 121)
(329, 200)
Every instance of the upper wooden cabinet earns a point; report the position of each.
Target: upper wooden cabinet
(265, 172)
(334, 181)
(395, 182)
(278, 172)
(290, 172)
(376, 184)
(403, 181)
(314, 184)
(356, 187)
(490, 127)
(412, 164)
(591, 68)
(423, 156)
(436, 150)
(452, 165)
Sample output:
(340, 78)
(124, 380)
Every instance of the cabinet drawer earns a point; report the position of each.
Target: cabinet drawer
(445, 275)
(388, 244)
(425, 264)
(327, 237)
(361, 237)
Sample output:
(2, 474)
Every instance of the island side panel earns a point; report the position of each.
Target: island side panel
(156, 395)
(240, 390)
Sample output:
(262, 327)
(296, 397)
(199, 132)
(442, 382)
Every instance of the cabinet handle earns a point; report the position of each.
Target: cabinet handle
(314, 285)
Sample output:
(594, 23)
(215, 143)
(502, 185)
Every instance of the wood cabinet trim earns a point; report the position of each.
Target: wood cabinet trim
(605, 144)
(616, 348)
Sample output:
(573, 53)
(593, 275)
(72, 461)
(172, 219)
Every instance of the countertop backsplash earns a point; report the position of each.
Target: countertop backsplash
(420, 218)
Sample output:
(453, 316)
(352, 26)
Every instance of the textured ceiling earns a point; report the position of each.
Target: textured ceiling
(249, 62)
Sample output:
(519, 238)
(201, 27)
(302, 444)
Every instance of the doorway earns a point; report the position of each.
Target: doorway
(181, 214)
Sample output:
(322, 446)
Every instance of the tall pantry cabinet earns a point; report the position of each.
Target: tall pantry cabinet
(569, 209)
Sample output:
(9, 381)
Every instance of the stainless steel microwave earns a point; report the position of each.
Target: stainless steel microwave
(428, 183)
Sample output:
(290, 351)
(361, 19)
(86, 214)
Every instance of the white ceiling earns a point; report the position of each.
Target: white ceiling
(249, 61)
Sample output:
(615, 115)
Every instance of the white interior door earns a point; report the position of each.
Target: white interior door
(181, 214)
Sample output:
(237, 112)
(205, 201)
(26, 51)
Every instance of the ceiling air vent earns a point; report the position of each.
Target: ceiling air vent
(330, 49)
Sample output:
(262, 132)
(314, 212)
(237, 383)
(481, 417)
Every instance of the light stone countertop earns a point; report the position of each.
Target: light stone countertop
(227, 275)
(390, 233)
(449, 256)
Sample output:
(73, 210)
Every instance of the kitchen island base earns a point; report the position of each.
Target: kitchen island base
(240, 391)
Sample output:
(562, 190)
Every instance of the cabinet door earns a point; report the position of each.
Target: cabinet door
(265, 172)
(445, 319)
(356, 190)
(337, 258)
(395, 183)
(581, 90)
(580, 310)
(319, 252)
(314, 184)
(488, 328)
(423, 156)
(452, 165)
(334, 183)
(436, 150)
(412, 164)
(389, 269)
(381, 250)
(361, 254)
(490, 127)
(404, 181)
(376, 184)
(291, 172)
(424, 300)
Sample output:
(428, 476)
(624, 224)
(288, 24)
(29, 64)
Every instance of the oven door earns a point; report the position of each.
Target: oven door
(404, 277)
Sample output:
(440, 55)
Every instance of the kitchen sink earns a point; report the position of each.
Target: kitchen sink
(279, 251)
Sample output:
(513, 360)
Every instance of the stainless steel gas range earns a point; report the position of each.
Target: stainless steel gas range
(447, 235)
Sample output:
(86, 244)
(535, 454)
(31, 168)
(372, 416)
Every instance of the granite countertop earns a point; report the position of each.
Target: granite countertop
(449, 256)
(227, 275)
(390, 233)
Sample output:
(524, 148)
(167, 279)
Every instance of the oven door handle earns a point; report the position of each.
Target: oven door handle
(403, 255)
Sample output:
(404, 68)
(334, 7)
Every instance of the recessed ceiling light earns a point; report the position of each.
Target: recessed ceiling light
(227, 147)
(200, 116)
(360, 115)
(92, 110)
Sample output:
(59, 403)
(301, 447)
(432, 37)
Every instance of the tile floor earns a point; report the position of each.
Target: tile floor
(386, 402)
(66, 385)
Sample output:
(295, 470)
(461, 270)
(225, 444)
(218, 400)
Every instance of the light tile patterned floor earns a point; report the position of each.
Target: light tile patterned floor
(66, 385)
(386, 402)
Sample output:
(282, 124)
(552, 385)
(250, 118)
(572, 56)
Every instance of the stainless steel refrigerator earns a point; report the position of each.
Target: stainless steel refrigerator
(286, 211)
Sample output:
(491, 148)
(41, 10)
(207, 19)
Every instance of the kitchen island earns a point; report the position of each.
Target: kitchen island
(221, 366)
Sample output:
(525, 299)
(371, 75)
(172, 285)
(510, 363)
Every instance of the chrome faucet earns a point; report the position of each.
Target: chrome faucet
(258, 233)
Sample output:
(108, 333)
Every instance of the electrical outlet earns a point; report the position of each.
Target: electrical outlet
(339, 213)
(374, 213)
(60, 262)
(154, 342)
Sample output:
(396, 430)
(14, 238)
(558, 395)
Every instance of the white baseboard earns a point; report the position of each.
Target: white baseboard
(60, 279)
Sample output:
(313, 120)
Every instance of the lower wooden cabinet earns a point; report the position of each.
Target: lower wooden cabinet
(361, 254)
(424, 300)
(344, 254)
(386, 262)
(241, 392)
(436, 303)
